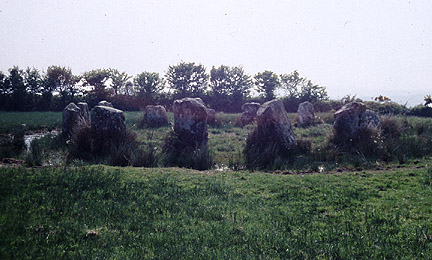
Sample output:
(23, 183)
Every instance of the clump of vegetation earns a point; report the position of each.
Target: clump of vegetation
(179, 152)
(121, 151)
(265, 151)
(12, 145)
(49, 149)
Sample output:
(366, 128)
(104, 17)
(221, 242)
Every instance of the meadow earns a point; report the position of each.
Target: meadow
(318, 208)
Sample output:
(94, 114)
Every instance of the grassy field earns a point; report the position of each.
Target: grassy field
(370, 210)
(172, 213)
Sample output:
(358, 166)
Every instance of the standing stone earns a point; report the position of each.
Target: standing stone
(105, 103)
(190, 121)
(211, 116)
(306, 114)
(155, 116)
(249, 113)
(273, 120)
(107, 124)
(72, 120)
(371, 118)
(352, 118)
(84, 111)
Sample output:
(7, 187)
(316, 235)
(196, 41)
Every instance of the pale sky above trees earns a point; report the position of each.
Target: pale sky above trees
(366, 47)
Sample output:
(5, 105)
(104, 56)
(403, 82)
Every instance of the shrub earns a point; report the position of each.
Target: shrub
(421, 111)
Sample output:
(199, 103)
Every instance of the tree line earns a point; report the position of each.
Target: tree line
(224, 89)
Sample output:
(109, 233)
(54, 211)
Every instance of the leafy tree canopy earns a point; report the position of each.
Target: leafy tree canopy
(187, 79)
(267, 82)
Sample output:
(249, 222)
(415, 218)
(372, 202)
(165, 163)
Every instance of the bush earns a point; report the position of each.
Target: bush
(176, 152)
(421, 111)
(387, 108)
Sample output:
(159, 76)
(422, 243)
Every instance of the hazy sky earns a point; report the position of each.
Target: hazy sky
(352, 47)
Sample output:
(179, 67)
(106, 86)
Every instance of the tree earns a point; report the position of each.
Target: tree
(302, 88)
(428, 100)
(291, 82)
(18, 89)
(119, 80)
(34, 86)
(148, 85)
(61, 80)
(96, 79)
(187, 79)
(5, 91)
(312, 93)
(229, 87)
(267, 82)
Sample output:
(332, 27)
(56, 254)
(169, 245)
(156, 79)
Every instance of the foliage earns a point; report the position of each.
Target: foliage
(428, 100)
(387, 108)
(148, 86)
(120, 82)
(187, 79)
(229, 87)
(267, 82)
(301, 88)
(96, 80)
(422, 111)
(62, 80)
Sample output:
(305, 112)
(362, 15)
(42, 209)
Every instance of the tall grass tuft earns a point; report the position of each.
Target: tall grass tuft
(122, 151)
(176, 152)
(265, 151)
(12, 145)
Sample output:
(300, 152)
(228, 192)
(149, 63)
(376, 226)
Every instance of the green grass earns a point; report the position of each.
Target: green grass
(171, 213)
(10, 121)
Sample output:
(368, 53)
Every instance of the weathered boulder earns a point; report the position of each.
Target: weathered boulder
(352, 118)
(371, 118)
(105, 103)
(107, 124)
(306, 114)
(155, 116)
(72, 120)
(84, 111)
(211, 116)
(249, 112)
(190, 121)
(273, 120)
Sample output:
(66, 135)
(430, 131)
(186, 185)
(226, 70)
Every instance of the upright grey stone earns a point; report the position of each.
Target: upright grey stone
(105, 103)
(352, 118)
(84, 111)
(190, 121)
(155, 116)
(273, 120)
(249, 113)
(72, 120)
(211, 116)
(107, 123)
(306, 114)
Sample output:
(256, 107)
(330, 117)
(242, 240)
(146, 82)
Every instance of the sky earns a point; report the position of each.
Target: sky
(364, 48)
